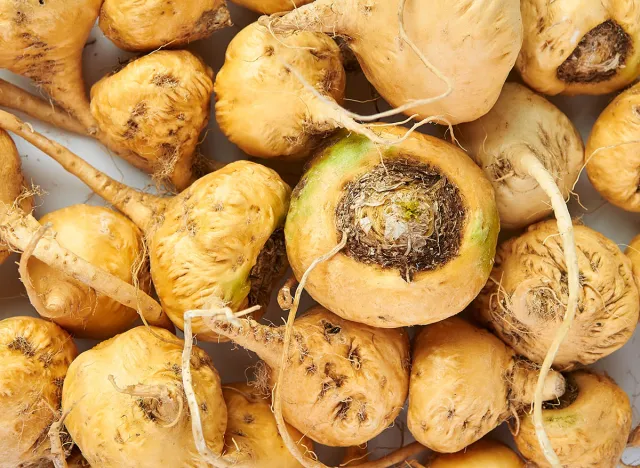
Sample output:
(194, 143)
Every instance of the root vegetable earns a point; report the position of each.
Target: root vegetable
(454, 397)
(633, 253)
(520, 126)
(271, 6)
(127, 407)
(485, 453)
(588, 429)
(252, 438)
(153, 110)
(145, 26)
(416, 216)
(526, 296)
(219, 242)
(108, 241)
(412, 60)
(612, 156)
(580, 47)
(256, 78)
(345, 382)
(43, 41)
(12, 183)
(35, 357)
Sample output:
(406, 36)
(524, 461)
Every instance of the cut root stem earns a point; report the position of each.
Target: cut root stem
(531, 164)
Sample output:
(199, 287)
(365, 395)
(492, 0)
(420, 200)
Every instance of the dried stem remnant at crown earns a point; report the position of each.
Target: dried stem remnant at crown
(598, 56)
(402, 215)
(270, 266)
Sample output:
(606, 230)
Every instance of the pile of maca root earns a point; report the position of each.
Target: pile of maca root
(393, 233)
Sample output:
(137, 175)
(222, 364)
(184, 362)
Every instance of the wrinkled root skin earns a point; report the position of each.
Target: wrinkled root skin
(431, 187)
(589, 432)
(524, 301)
(35, 356)
(454, 398)
(115, 429)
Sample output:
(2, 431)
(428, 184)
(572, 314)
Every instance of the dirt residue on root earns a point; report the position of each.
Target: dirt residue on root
(598, 56)
(403, 215)
(270, 266)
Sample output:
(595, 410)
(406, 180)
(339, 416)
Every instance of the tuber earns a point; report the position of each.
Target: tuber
(218, 242)
(345, 383)
(108, 241)
(465, 382)
(418, 65)
(588, 428)
(520, 127)
(633, 253)
(526, 296)
(252, 438)
(256, 79)
(270, 6)
(144, 26)
(35, 357)
(153, 110)
(486, 453)
(580, 46)
(43, 41)
(126, 407)
(612, 159)
(415, 217)
(12, 184)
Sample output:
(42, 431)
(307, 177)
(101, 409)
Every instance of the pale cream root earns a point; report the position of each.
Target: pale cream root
(35, 355)
(454, 398)
(152, 24)
(227, 226)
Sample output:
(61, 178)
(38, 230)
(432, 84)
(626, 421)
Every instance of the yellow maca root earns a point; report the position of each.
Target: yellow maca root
(12, 183)
(126, 405)
(337, 372)
(251, 437)
(271, 6)
(35, 357)
(633, 253)
(153, 110)
(145, 26)
(416, 69)
(454, 398)
(588, 428)
(612, 158)
(579, 46)
(258, 67)
(486, 453)
(43, 41)
(218, 242)
(108, 241)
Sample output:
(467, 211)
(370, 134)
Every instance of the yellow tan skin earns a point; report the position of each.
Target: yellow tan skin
(485, 35)
(35, 357)
(216, 243)
(588, 432)
(145, 26)
(154, 109)
(580, 46)
(116, 429)
(43, 41)
(254, 81)
(252, 438)
(271, 6)
(107, 240)
(613, 161)
(633, 253)
(12, 183)
(347, 381)
(455, 398)
(523, 122)
(525, 299)
(382, 296)
(485, 453)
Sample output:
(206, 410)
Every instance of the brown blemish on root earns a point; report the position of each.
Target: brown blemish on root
(269, 266)
(402, 215)
(598, 56)
(165, 80)
(21, 344)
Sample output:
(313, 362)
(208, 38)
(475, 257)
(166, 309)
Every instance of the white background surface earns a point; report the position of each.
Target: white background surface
(62, 189)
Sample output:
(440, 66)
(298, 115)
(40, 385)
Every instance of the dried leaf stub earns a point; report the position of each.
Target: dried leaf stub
(525, 298)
